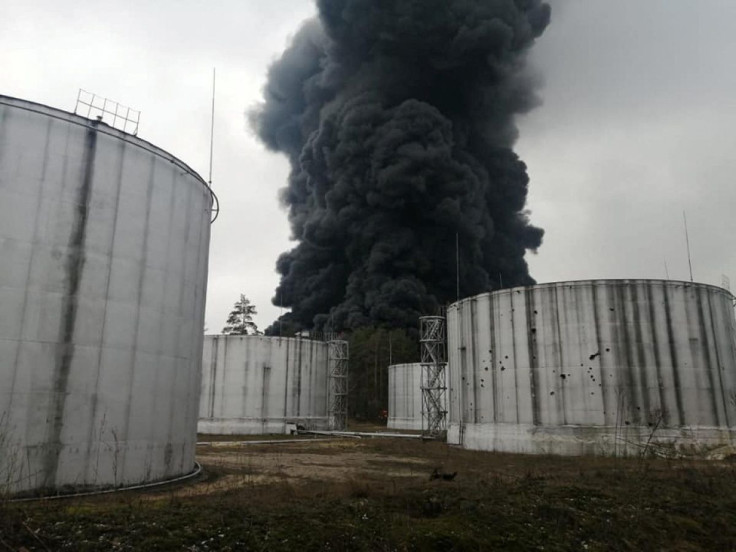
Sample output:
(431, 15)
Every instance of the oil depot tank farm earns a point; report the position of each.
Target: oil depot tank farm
(258, 385)
(104, 242)
(405, 396)
(594, 367)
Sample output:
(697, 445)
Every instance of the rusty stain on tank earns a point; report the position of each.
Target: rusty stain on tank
(65, 348)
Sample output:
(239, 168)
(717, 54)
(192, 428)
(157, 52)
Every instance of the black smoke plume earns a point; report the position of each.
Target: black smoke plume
(398, 119)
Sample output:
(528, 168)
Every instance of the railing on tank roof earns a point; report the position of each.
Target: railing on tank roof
(123, 118)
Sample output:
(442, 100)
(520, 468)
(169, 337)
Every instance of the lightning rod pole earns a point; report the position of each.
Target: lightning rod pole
(687, 241)
(212, 126)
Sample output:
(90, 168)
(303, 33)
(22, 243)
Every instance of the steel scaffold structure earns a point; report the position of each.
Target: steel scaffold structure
(338, 359)
(432, 334)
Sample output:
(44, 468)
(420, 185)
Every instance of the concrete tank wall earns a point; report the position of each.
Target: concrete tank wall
(405, 396)
(104, 244)
(256, 384)
(612, 367)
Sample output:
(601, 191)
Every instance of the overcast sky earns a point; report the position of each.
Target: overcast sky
(637, 124)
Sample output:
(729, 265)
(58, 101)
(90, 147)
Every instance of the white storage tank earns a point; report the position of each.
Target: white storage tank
(258, 385)
(599, 367)
(405, 396)
(104, 243)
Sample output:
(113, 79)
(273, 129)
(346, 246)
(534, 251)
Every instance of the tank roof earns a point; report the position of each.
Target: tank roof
(102, 127)
(610, 282)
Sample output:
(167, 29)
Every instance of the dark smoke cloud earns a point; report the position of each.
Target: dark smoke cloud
(398, 119)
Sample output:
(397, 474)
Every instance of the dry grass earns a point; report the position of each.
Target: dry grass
(376, 494)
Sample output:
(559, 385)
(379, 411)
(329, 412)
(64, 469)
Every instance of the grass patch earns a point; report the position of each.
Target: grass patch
(376, 494)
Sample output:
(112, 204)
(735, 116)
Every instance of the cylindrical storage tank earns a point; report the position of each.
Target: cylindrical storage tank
(257, 385)
(405, 396)
(594, 367)
(104, 243)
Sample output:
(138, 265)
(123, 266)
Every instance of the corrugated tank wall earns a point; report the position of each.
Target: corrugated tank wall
(104, 244)
(256, 384)
(405, 396)
(611, 367)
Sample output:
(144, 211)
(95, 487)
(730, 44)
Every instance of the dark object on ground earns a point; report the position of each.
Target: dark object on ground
(437, 474)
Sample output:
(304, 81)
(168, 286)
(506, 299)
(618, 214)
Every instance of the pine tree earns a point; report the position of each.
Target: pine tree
(240, 319)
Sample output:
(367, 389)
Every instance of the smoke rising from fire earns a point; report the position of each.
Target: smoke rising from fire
(397, 117)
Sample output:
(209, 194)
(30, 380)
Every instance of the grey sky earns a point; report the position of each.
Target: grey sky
(637, 124)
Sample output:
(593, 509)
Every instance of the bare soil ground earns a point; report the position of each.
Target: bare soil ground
(379, 494)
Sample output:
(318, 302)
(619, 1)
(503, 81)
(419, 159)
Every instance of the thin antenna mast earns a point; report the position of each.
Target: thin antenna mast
(687, 241)
(666, 272)
(390, 350)
(457, 262)
(212, 126)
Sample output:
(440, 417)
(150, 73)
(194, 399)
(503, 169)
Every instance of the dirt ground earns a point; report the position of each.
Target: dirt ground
(304, 493)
